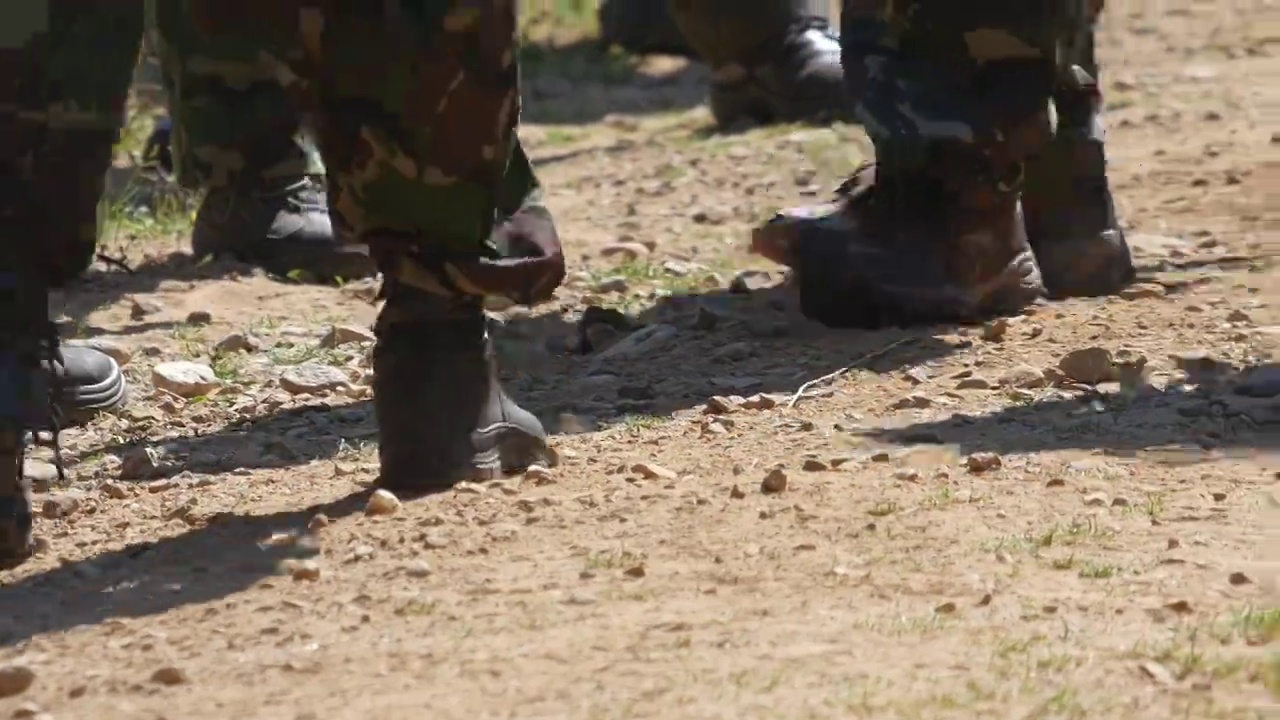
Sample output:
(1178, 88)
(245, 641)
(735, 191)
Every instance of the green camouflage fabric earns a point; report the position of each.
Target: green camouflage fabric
(414, 106)
(64, 73)
(932, 73)
(230, 117)
(65, 68)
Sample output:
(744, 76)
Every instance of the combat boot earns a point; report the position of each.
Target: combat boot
(771, 60)
(283, 227)
(85, 382)
(442, 414)
(797, 78)
(1070, 214)
(641, 27)
(906, 248)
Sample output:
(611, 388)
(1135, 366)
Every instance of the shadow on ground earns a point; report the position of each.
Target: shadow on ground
(582, 81)
(1174, 425)
(198, 566)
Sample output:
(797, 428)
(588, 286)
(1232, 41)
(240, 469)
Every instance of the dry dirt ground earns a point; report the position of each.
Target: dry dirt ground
(1008, 521)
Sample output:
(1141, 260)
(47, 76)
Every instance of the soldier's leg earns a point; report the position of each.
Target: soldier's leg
(955, 99)
(416, 105)
(771, 60)
(233, 133)
(62, 94)
(1070, 215)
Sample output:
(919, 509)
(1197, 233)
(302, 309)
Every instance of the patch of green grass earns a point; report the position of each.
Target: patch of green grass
(1098, 571)
(641, 422)
(620, 559)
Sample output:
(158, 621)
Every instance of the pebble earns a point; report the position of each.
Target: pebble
(199, 317)
(15, 679)
(1024, 377)
(814, 465)
(307, 570)
(750, 281)
(185, 379)
(237, 343)
(981, 462)
(313, 378)
(382, 502)
(62, 505)
(645, 341)
(977, 382)
(418, 569)
(339, 335)
(649, 471)
(774, 482)
(41, 474)
(1141, 291)
(625, 251)
(1090, 366)
(170, 675)
(140, 308)
(539, 475)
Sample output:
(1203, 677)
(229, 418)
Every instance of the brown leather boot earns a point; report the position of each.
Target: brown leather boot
(907, 249)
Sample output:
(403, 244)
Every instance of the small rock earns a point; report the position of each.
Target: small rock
(617, 285)
(539, 475)
(1120, 502)
(912, 402)
(418, 569)
(736, 493)
(1239, 578)
(760, 401)
(313, 378)
(945, 608)
(733, 352)
(140, 308)
(625, 251)
(749, 281)
(1141, 291)
(981, 462)
(115, 491)
(237, 343)
(339, 335)
(1090, 366)
(1200, 365)
(185, 379)
(995, 330)
(199, 317)
(977, 382)
(59, 506)
(319, 521)
(720, 405)
(307, 570)
(1157, 672)
(637, 571)
(1024, 377)
(142, 463)
(774, 482)
(469, 488)
(642, 342)
(382, 502)
(1096, 500)
(814, 465)
(41, 474)
(1173, 544)
(110, 348)
(15, 679)
(649, 471)
(169, 675)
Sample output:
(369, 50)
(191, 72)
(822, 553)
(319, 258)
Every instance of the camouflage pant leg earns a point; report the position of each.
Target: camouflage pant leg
(931, 73)
(415, 104)
(65, 68)
(230, 117)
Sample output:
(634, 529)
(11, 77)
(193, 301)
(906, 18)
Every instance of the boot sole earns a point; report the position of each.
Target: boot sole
(80, 403)
(508, 451)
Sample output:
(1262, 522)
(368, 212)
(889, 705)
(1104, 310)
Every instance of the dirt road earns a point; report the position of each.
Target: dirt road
(964, 532)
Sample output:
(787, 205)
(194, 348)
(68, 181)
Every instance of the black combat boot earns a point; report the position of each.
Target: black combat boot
(906, 249)
(281, 225)
(1070, 214)
(442, 414)
(771, 60)
(283, 228)
(641, 27)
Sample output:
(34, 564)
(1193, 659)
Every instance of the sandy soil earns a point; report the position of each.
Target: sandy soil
(964, 532)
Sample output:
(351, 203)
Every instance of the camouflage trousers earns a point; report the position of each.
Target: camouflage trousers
(934, 75)
(65, 67)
